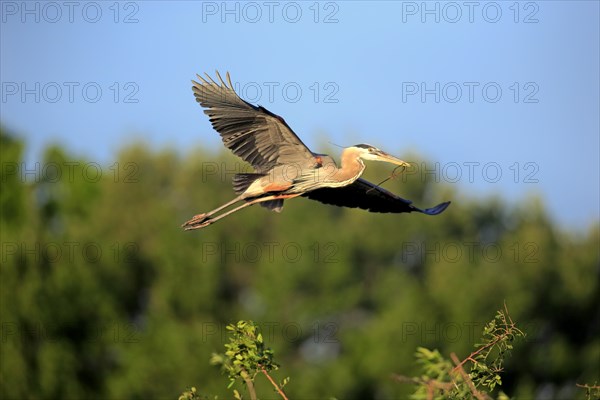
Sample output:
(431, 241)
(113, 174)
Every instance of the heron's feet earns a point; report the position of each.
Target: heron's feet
(199, 221)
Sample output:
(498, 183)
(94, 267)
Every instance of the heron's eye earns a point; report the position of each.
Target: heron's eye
(370, 149)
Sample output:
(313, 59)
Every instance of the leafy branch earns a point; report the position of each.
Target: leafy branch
(246, 356)
(444, 379)
(590, 390)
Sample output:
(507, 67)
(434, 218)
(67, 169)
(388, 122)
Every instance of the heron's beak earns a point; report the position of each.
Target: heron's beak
(383, 156)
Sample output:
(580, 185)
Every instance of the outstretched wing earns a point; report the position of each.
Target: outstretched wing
(368, 196)
(253, 133)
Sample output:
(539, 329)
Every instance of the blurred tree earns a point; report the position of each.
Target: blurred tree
(104, 296)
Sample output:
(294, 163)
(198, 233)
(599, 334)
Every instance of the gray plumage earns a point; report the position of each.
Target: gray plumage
(285, 167)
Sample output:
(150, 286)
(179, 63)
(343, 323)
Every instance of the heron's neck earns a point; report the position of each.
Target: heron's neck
(352, 166)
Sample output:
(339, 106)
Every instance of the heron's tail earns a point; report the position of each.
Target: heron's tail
(241, 182)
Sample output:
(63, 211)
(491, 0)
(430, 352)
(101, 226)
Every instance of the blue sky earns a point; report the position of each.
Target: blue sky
(481, 88)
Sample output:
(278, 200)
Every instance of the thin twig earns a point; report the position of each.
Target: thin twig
(466, 378)
(392, 176)
(279, 390)
(479, 350)
(586, 386)
(508, 328)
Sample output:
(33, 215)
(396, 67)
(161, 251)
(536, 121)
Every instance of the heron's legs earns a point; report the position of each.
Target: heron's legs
(196, 223)
(202, 217)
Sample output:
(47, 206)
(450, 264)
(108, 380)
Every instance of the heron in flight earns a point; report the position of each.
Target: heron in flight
(284, 167)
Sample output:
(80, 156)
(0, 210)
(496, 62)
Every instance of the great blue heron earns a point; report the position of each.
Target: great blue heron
(285, 167)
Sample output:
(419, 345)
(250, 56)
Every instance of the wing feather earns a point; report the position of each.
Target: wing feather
(253, 133)
(368, 196)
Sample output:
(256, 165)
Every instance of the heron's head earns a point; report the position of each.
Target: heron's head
(372, 153)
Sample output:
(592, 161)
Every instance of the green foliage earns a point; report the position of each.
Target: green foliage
(103, 296)
(245, 356)
(488, 360)
(445, 379)
(191, 394)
